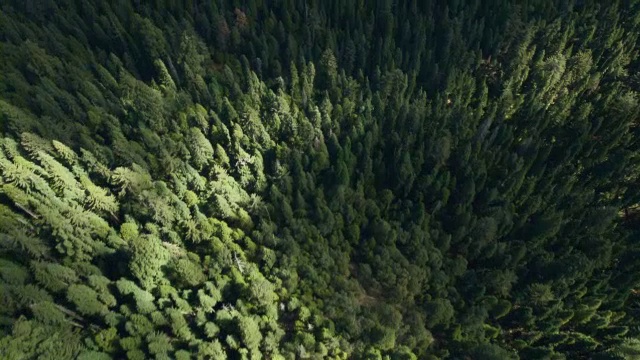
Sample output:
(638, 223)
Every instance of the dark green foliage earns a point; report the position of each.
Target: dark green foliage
(319, 179)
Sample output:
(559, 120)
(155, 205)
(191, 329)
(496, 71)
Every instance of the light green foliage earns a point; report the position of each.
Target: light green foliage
(164, 77)
(211, 349)
(61, 179)
(188, 272)
(97, 198)
(179, 325)
(143, 299)
(190, 198)
(129, 231)
(201, 149)
(206, 302)
(148, 256)
(221, 155)
(139, 325)
(540, 294)
(629, 349)
(65, 152)
(159, 344)
(12, 273)
(250, 333)
(31, 294)
(133, 180)
(85, 299)
(52, 276)
(183, 355)
(106, 339)
(29, 339)
(93, 355)
(48, 313)
(135, 354)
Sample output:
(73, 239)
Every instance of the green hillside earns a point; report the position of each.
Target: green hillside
(320, 179)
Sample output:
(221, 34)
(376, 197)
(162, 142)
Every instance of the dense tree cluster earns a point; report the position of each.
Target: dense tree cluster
(319, 179)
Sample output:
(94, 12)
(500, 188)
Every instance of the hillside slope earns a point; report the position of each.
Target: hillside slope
(319, 179)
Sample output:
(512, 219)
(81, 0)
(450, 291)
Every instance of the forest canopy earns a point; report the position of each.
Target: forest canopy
(320, 179)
